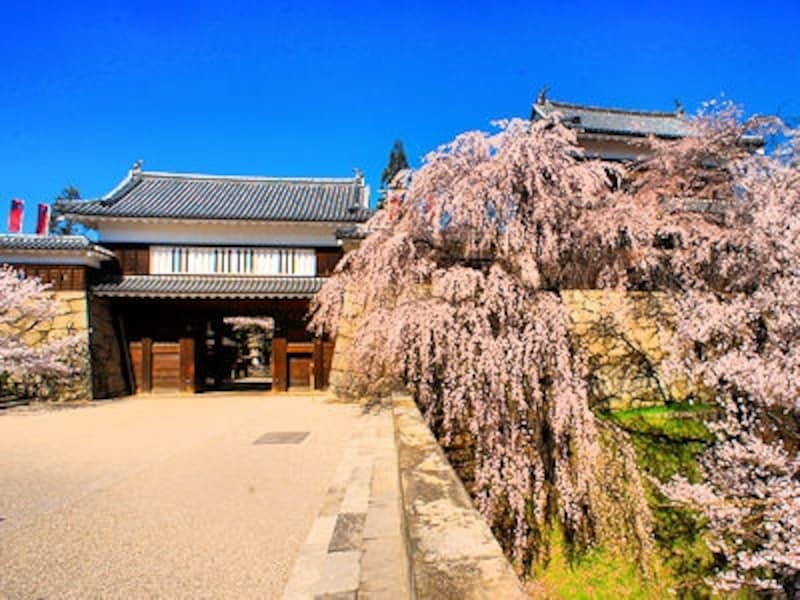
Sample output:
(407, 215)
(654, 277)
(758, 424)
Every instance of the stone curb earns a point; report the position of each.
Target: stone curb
(356, 546)
(453, 554)
(397, 523)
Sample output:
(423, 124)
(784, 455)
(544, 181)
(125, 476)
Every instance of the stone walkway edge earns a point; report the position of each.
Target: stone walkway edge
(356, 547)
(397, 522)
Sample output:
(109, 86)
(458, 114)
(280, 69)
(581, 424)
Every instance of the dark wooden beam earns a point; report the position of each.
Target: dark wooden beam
(319, 365)
(280, 371)
(147, 365)
(187, 364)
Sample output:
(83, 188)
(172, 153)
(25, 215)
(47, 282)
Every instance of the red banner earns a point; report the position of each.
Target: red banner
(43, 220)
(15, 216)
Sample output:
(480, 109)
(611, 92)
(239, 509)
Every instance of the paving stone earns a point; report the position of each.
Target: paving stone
(348, 533)
(333, 500)
(383, 520)
(344, 473)
(356, 499)
(340, 573)
(383, 572)
(385, 480)
(282, 437)
(365, 556)
(322, 530)
(305, 573)
(339, 596)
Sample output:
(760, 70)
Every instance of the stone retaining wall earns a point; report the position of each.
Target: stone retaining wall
(624, 336)
(101, 369)
(108, 377)
(71, 318)
(341, 369)
(622, 333)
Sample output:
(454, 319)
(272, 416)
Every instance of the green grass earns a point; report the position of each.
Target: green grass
(674, 422)
(662, 410)
(596, 575)
(667, 440)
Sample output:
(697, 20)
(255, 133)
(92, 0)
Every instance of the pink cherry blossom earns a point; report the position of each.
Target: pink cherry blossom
(456, 295)
(26, 307)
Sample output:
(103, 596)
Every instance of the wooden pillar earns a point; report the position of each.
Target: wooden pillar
(200, 356)
(280, 359)
(186, 345)
(218, 366)
(327, 359)
(147, 365)
(280, 364)
(319, 364)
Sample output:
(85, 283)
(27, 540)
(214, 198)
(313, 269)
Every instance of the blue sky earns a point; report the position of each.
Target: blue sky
(318, 88)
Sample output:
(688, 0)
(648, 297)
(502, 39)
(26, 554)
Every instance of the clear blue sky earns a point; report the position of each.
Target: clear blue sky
(317, 88)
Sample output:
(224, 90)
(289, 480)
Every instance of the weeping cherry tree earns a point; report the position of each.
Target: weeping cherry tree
(460, 283)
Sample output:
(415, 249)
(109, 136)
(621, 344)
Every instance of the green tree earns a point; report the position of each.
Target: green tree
(397, 162)
(59, 225)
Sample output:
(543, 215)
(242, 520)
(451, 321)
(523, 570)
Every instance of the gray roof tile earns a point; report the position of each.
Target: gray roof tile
(209, 286)
(615, 121)
(11, 241)
(351, 232)
(211, 197)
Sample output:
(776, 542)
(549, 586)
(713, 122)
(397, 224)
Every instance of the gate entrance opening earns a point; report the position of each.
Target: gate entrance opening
(238, 352)
(204, 345)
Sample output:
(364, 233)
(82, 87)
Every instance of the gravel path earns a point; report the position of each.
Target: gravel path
(163, 496)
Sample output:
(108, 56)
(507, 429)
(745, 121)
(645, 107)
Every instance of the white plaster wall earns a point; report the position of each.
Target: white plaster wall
(219, 232)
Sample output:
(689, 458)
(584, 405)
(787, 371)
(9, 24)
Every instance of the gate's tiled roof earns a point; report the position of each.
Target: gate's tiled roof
(213, 197)
(209, 286)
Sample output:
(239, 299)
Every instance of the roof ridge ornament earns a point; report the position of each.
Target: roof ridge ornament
(137, 166)
(541, 98)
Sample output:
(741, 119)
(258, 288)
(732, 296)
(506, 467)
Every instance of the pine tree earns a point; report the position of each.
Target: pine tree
(397, 162)
(58, 224)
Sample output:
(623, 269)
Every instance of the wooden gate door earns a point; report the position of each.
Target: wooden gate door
(299, 370)
(166, 367)
(163, 366)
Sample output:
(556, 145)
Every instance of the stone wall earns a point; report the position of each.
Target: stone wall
(623, 335)
(71, 318)
(108, 374)
(99, 367)
(72, 314)
(340, 378)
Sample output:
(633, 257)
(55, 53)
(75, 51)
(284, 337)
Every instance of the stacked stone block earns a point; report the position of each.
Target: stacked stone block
(108, 376)
(623, 335)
